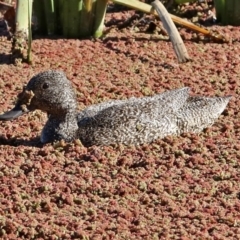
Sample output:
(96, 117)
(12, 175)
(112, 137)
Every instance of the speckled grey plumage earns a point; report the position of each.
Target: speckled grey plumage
(132, 121)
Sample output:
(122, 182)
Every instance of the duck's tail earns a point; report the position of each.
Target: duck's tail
(200, 112)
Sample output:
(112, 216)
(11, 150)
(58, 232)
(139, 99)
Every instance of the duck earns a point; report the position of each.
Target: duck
(133, 121)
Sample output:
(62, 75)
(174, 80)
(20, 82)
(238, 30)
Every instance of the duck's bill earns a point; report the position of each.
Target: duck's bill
(14, 113)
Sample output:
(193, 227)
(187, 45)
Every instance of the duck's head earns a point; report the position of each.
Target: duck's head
(49, 91)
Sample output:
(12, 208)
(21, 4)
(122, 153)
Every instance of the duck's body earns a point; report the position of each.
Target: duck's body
(132, 121)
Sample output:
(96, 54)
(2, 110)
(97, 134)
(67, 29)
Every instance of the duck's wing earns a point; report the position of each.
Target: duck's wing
(135, 121)
(172, 99)
(94, 109)
(144, 110)
(200, 112)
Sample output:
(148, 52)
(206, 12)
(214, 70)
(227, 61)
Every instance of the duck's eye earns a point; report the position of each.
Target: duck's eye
(45, 86)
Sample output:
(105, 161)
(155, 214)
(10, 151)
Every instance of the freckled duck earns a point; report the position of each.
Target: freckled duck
(132, 121)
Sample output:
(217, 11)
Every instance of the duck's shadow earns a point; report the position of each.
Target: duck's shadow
(5, 58)
(15, 142)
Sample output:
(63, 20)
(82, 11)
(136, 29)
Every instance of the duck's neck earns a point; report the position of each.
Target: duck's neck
(60, 127)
